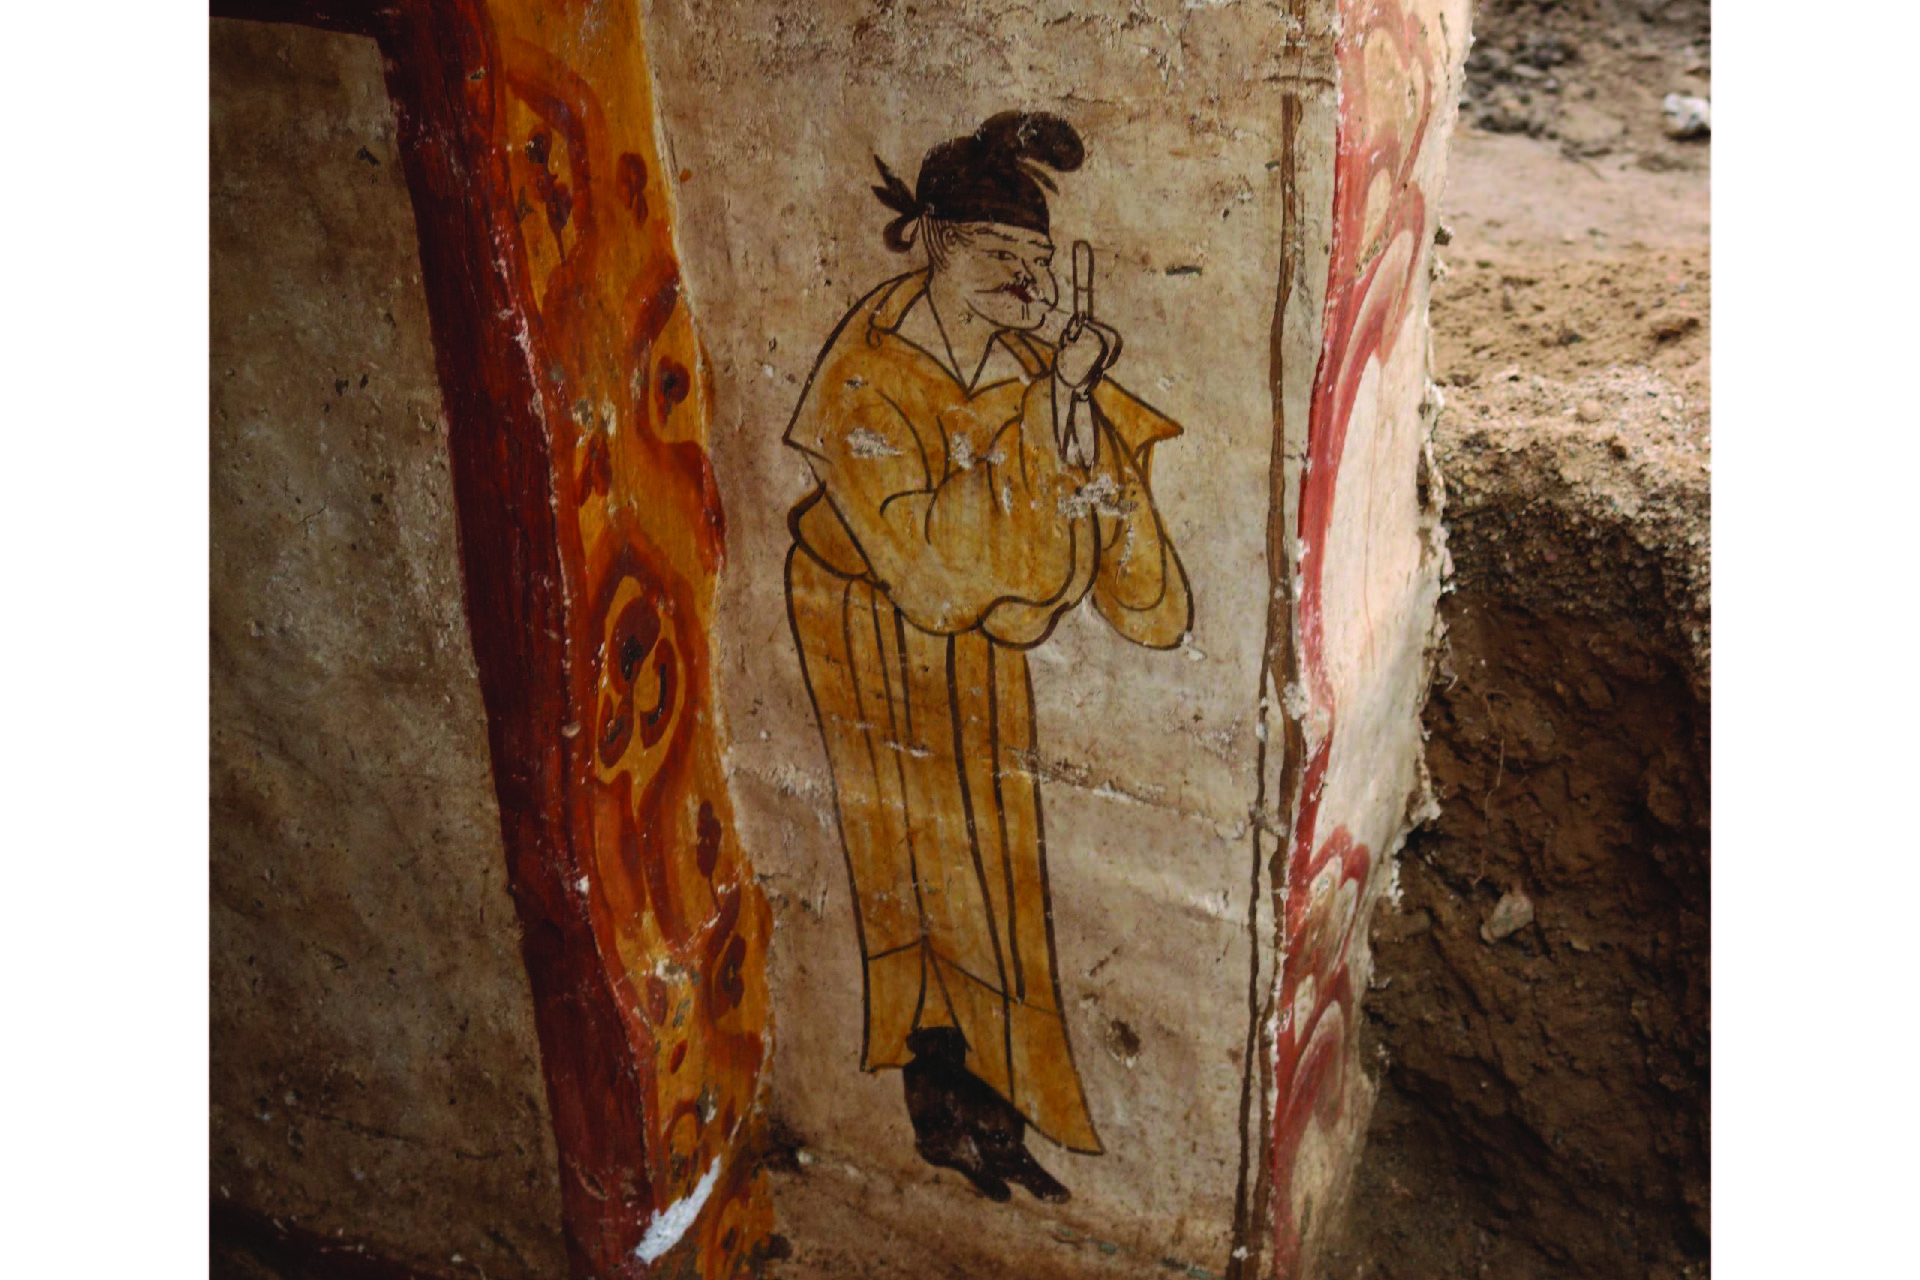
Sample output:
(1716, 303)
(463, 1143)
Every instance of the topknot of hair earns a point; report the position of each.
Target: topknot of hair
(1035, 135)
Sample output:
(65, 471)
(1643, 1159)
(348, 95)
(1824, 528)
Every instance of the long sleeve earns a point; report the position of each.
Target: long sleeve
(1141, 587)
(947, 543)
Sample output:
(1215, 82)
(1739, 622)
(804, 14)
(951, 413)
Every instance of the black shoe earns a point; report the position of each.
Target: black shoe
(1020, 1168)
(937, 1046)
(960, 1123)
(937, 1100)
(964, 1158)
(1001, 1137)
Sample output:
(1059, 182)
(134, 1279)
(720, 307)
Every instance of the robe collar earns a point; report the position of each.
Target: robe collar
(904, 313)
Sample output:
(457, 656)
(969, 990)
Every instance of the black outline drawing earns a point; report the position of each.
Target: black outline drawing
(975, 507)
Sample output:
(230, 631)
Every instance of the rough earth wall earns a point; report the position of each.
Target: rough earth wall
(1545, 1111)
(1559, 1054)
(374, 1064)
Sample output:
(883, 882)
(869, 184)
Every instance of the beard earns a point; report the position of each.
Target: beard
(1012, 307)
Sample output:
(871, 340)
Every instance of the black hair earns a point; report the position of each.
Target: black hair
(990, 175)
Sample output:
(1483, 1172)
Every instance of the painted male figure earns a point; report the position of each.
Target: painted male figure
(975, 482)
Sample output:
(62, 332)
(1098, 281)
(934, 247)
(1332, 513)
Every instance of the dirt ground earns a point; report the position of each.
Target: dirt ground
(1540, 1005)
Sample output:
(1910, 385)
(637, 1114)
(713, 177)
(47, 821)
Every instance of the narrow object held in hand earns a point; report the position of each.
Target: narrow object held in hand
(1082, 280)
(1076, 434)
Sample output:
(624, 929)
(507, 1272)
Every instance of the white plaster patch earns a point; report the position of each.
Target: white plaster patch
(1100, 494)
(672, 1222)
(865, 442)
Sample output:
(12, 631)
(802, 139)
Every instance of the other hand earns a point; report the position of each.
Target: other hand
(1087, 350)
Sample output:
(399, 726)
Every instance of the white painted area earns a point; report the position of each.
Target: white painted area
(672, 1222)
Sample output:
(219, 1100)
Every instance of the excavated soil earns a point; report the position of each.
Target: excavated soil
(1540, 1009)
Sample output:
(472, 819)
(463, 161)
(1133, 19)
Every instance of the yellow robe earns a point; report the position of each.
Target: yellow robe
(945, 539)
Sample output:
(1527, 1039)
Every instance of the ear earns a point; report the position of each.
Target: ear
(950, 236)
(937, 236)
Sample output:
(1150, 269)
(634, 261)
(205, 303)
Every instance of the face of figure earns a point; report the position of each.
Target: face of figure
(1004, 274)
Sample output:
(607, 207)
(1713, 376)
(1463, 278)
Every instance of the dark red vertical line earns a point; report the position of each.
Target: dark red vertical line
(444, 77)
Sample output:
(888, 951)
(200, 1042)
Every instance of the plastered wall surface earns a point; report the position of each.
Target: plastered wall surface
(1147, 758)
(374, 1063)
(626, 316)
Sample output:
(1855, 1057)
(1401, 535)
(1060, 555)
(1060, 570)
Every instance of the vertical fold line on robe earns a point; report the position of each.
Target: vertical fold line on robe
(929, 958)
(926, 964)
(866, 725)
(906, 679)
(1046, 898)
(1000, 817)
(932, 963)
(846, 847)
(979, 868)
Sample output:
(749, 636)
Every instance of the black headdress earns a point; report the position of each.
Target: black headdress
(988, 176)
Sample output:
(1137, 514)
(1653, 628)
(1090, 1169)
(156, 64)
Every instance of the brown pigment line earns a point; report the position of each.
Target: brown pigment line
(1293, 732)
(1250, 1203)
(1250, 1057)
